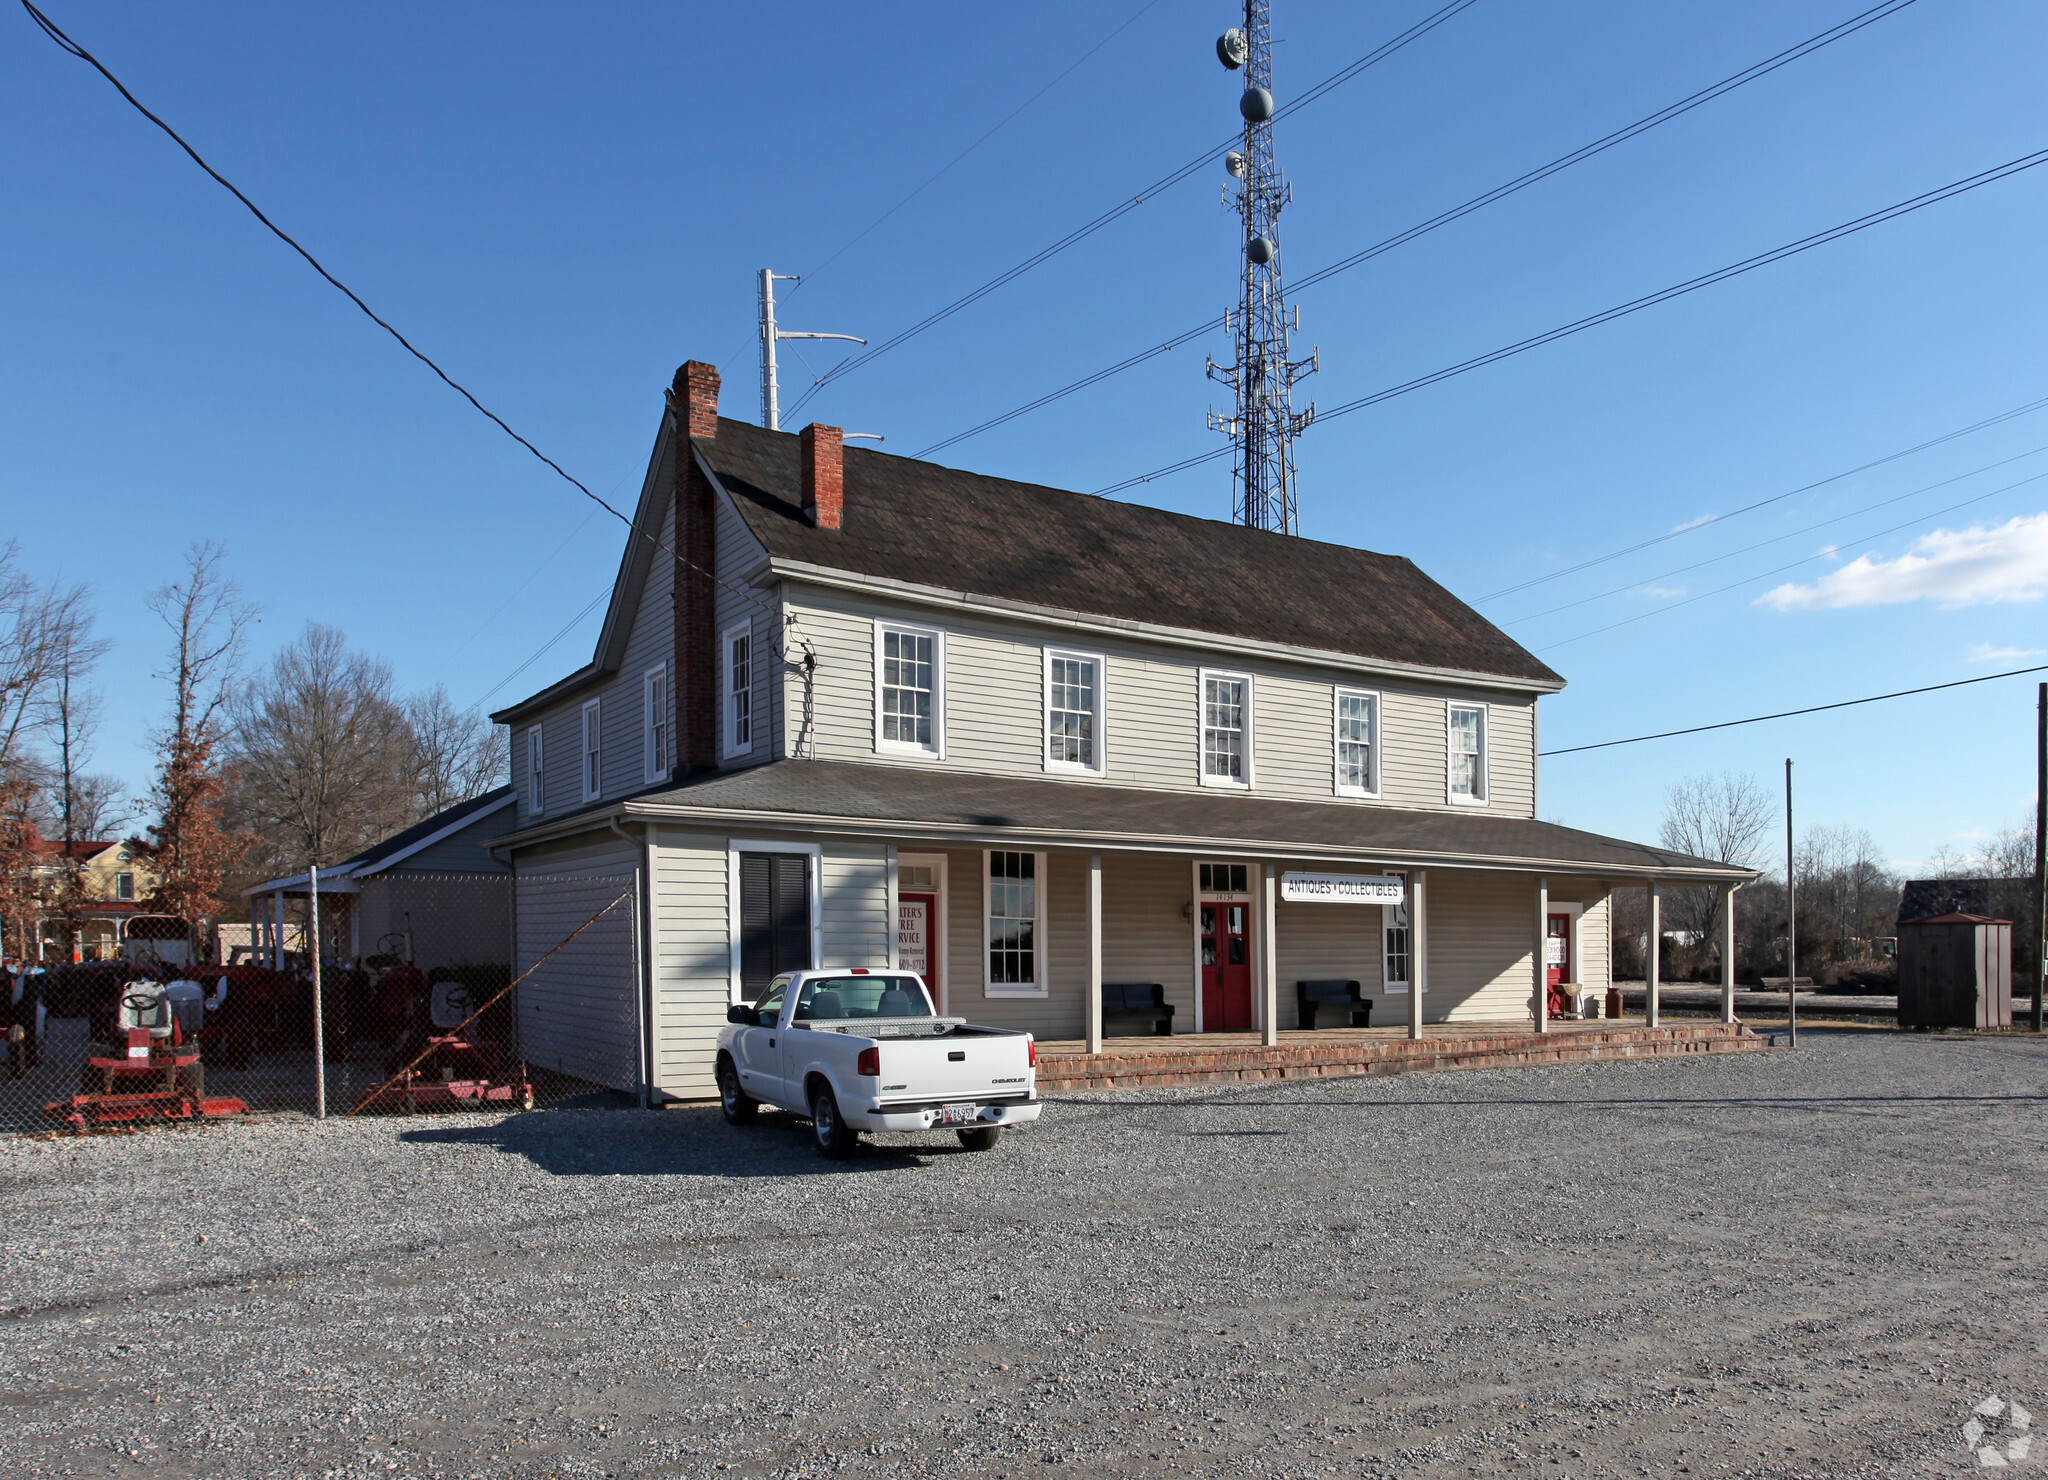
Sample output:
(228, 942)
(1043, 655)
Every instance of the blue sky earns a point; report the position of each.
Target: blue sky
(562, 203)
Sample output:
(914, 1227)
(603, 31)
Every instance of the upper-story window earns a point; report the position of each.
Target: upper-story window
(536, 773)
(739, 689)
(593, 774)
(910, 700)
(1073, 712)
(124, 885)
(1358, 743)
(1226, 729)
(1467, 731)
(654, 722)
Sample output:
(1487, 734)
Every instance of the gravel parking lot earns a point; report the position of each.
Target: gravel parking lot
(1806, 1263)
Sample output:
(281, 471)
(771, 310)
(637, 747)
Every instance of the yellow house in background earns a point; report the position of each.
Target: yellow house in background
(117, 876)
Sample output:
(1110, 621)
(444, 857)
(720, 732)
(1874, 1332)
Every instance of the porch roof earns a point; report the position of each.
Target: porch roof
(915, 803)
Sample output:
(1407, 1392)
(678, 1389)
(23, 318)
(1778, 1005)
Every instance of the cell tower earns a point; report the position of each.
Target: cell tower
(1265, 423)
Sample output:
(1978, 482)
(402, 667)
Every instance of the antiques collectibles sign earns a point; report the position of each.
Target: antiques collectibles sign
(1301, 888)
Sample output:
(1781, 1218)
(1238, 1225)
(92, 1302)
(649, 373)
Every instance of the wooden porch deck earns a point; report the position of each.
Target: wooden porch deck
(1342, 1053)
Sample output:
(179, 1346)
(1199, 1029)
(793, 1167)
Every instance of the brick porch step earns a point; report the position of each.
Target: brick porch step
(1216, 1060)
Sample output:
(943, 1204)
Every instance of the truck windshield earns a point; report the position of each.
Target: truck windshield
(836, 998)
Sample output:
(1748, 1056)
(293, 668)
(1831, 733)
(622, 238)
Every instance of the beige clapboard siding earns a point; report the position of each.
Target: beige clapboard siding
(1332, 942)
(994, 690)
(649, 642)
(1145, 937)
(854, 905)
(692, 959)
(738, 552)
(579, 1012)
(1596, 949)
(1482, 933)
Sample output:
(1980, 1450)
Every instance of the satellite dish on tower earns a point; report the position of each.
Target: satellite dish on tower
(1261, 250)
(1234, 163)
(1232, 49)
(1256, 105)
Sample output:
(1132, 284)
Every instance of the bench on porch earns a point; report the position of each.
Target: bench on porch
(1312, 995)
(1137, 1002)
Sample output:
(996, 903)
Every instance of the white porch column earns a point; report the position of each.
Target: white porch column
(1542, 971)
(1727, 953)
(1418, 950)
(1269, 960)
(1651, 985)
(277, 930)
(1095, 953)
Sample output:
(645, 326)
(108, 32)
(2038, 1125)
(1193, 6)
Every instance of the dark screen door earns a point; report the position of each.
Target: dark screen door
(775, 918)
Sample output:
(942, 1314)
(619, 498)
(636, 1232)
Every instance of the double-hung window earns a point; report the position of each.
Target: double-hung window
(910, 700)
(593, 774)
(1394, 931)
(1466, 728)
(655, 722)
(1015, 924)
(124, 885)
(1358, 743)
(1073, 712)
(536, 773)
(739, 689)
(1226, 729)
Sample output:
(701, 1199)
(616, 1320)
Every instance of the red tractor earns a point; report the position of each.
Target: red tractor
(449, 1066)
(150, 1068)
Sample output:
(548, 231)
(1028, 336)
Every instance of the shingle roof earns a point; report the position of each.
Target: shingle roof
(367, 860)
(918, 522)
(902, 800)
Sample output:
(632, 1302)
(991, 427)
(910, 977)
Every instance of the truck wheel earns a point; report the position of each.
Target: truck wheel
(980, 1137)
(738, 1105)
(836, 1138)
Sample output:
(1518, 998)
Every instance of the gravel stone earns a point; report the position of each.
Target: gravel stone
(1787, 1264)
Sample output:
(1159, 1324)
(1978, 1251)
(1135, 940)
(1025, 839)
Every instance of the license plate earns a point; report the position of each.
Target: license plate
(957, 1114)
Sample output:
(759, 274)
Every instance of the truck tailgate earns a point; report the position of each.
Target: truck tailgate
(965, 1067)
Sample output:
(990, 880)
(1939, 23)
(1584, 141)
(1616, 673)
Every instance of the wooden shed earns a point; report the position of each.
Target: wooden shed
(1955, 971)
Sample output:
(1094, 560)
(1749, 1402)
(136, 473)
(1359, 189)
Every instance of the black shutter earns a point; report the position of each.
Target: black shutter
(775, 918)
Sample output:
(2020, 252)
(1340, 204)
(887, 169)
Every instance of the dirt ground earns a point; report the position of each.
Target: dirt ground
(1794, 1263)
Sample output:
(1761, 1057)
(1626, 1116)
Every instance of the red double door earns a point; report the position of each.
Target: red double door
(1226, 968)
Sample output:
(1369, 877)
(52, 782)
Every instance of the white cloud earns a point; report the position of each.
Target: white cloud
(1984, 652)
(1978, 566)
(1694, 523)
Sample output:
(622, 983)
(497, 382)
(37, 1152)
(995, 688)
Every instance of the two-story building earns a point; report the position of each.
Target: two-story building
(852, 709)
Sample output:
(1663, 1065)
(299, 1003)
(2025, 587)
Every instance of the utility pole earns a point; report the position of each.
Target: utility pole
(2040, 854)
(1263, 424)
(1791, 915)
(771, 412)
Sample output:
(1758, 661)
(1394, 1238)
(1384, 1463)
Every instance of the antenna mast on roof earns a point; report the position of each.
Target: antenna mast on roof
(1264, 424)
(771, 413)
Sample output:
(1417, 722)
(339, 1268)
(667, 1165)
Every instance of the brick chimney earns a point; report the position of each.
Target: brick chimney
(824, 461)
(694, 682)
(695, 398)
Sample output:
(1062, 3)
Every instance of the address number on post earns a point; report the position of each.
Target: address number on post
(1304, 888)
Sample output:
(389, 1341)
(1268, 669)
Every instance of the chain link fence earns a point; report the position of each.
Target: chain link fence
(430, 992)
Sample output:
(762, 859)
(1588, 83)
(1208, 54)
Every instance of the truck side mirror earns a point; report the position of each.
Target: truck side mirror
(742, 1014)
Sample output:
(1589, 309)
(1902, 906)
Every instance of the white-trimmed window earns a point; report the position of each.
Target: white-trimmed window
(1465, 731)
(124, 885)
(1357, 740)
(1394, 964)
(655, 723)
(536, 773)
(593, 774)
(1226, 718)
(1073, 712)
(910, 698)
(1013, 924)
(738, 646)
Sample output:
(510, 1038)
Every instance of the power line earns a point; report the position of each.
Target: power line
(1117, 212)
(1478, 202)
(1635, 305)
(1790, 565)
(1779, 539)
(56, 34)
(1728, 724)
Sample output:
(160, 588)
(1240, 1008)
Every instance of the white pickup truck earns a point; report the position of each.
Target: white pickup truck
(862, 1050)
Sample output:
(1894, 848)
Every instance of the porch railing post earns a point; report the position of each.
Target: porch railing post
(1269, 961)
(1418, 949)
(1653, 982)
(1542, 972)
(1727, 953)
(1095, 953)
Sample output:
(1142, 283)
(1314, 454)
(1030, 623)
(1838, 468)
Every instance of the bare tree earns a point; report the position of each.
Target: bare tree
(71, 716)
(1725, 819)
(101, 807)
(322, 757)
(39, 625)
(457, 753)
(209, 621)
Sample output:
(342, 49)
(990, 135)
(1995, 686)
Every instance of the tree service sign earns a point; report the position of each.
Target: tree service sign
(1304, 888)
